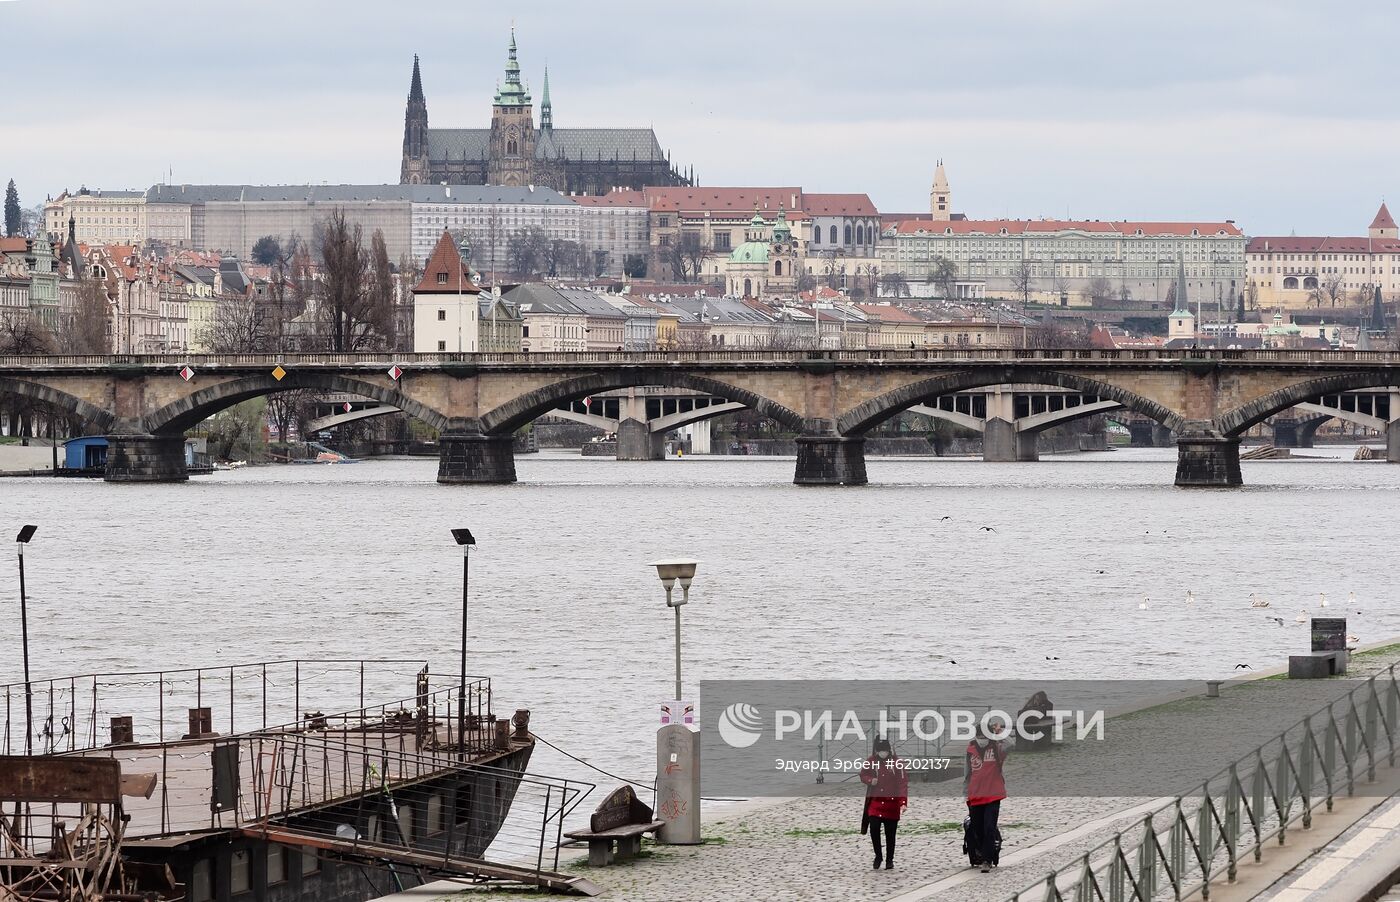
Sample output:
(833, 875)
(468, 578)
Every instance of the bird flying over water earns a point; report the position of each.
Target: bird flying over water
(1243, 667)
(988, 529)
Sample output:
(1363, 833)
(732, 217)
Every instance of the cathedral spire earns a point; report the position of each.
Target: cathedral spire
(513, 93)
(415, 90)
(546, 111)
(1183, 306)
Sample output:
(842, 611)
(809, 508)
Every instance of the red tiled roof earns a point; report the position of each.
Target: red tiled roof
(889, 313)
(838, 205)
(1304, 244)
(446, 259)
(738, 201)
(13, 245)
(1383, 220)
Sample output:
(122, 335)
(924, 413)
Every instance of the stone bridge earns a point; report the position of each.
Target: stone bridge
(831, 399)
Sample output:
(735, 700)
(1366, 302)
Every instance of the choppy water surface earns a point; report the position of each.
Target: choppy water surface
(569, 620)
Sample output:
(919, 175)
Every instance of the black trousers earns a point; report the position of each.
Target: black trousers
(984, 829)
(890, 826)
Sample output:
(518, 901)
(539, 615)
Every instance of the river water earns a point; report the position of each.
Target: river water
(892, 580)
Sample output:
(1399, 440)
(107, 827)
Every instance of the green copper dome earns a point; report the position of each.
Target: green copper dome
(750, 252)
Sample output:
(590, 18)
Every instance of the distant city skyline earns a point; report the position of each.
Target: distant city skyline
(1074, 110)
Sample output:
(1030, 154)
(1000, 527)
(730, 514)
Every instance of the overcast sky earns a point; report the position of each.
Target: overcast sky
(1279, 115)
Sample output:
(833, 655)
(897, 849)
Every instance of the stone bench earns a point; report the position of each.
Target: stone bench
(1317, 665)
(621, 819)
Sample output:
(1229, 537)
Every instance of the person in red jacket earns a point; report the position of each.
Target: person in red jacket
(886, 795)
(985, 787)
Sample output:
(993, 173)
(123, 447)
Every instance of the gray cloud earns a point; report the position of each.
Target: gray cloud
(1275, 114)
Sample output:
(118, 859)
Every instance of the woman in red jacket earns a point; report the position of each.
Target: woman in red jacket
(985, 787)
(886, 795)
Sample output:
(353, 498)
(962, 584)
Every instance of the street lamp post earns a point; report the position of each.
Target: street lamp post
(25, 534)
(671, 571)
(465, 539)
(677, 743)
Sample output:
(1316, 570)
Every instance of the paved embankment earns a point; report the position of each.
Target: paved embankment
(810, 848)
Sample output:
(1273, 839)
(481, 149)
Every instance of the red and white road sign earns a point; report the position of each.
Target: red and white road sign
(346, 407)
(395, 372)
(186, 372)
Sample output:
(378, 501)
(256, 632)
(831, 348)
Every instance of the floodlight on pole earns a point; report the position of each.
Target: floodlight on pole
(25, 534)
(464, 538)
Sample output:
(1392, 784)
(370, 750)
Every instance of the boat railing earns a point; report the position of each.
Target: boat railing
(430, 809)
(427, 810)
(77, 713)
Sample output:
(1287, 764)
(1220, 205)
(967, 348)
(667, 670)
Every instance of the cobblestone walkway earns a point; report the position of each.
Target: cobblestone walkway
(810, 848)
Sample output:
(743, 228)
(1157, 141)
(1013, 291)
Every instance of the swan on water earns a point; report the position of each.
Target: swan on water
(1322, 596)
(1256, 602)
(1142, 605)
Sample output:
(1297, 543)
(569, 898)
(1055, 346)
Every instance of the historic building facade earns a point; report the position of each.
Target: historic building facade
(1325, 271)
(1065, 261)
(513, 151)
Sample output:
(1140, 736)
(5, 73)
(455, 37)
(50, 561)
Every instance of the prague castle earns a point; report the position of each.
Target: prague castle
(514, 152)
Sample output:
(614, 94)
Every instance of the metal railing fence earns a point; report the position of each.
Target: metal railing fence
(1202, 835)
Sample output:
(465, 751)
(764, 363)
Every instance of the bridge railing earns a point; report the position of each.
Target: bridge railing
(934, 355)
(1187, 845)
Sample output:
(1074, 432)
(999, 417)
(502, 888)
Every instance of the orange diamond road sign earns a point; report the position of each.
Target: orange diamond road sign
(278, 373)
(186, 373)
(395, 372)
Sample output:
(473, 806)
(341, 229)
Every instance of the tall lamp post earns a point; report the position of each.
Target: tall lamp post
(25, 534)
(465, 539)
(682, 570)
(677, 745)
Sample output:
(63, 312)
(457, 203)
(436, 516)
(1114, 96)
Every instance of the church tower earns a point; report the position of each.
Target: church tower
(1182, 323)
(512, 141)
(940, 196)
(1383, 226)
(414, 170)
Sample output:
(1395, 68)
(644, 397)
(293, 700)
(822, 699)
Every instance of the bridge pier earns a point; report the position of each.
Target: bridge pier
(1392, 442)
(1002, 443)
(471, 457)
(142, 457)
(830, 460)
(1208, 461)
(636, 441)
(1290, 434)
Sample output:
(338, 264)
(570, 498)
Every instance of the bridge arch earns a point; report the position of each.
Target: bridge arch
(198, 406)
(1039, 422)
(513, 414)
(866, 416)
(1235, 422)
(94, 419)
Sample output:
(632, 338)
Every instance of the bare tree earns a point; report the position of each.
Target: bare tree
(944, 273)
(346, 315)
(1023, 281)
(88, 329)
(1331, 287)
(240, 325)
(21, 332)
(287, 409)
(381, 289)
(1059, 285)
(688, 257)
(1099, 292)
